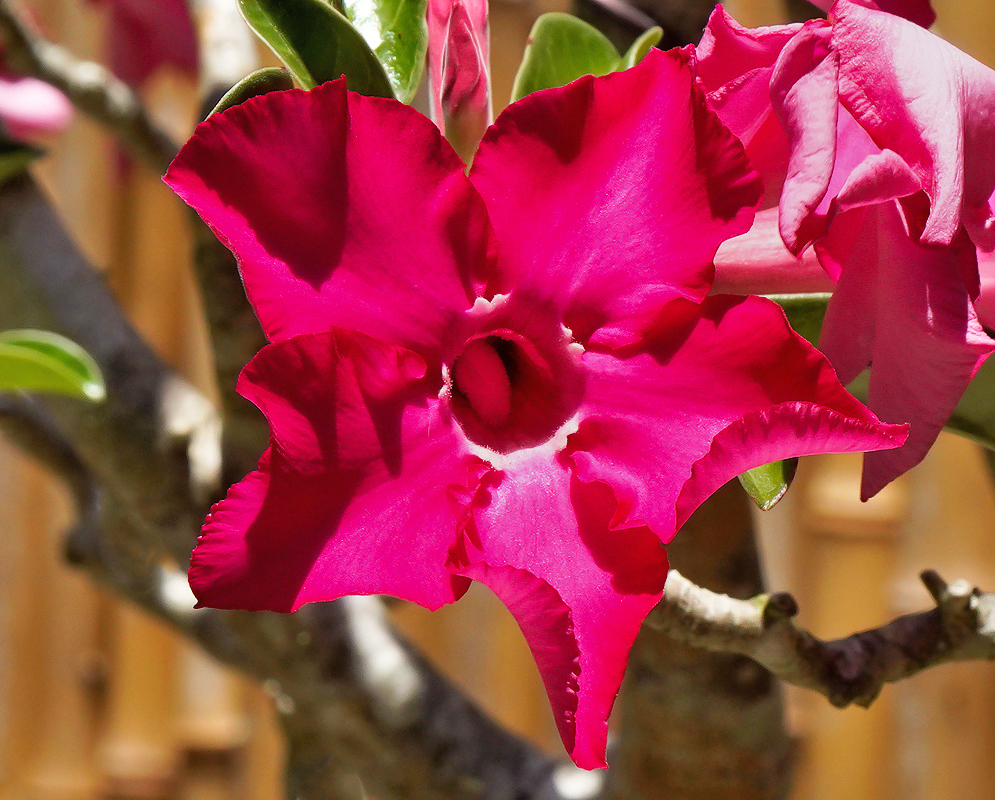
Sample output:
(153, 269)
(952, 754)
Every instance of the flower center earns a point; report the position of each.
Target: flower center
(508, 393)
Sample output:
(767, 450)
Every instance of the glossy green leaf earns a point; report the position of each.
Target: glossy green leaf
(317, 44)
(268, 79)
(561, 49)
(40, 361)
(639, 48)
(766, 485)
(15, 158)
(396, 31)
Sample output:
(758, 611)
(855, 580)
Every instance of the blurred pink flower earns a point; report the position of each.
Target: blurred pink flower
(874, 138)
(30, 108)
(514, 376)
(146, 35)
(459, 70)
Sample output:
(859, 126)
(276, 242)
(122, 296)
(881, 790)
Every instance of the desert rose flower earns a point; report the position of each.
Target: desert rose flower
(515, 376)
(30, 108)
(874, 139)
(459, 83)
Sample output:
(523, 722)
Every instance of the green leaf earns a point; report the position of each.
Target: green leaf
(268, 79)
(397, 33)
(15, 158)
(805, 312)
(561, 48)
(974, 416)
(639, 48)
(317, 44)
(766, 485)
(40, 361)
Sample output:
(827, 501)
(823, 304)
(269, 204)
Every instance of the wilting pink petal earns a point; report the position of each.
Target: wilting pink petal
(985, 304)
(875, 110)
(757, 262)
(458, 69)
(897, 299)
(803, 92)
(31, 108)
(145, 35)
(559, 172)
(635, 433)
(358, 470)
(578, 587)
(434, 415)
(928, 102)
(299, 185)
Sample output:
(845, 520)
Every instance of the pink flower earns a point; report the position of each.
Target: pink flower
(514, 376)
(875, 139)
(459, 70)
(30, 108)
(146, 35)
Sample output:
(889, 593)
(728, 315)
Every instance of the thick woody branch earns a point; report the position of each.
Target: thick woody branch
(91, 88)
(850, 670)
(355, 699)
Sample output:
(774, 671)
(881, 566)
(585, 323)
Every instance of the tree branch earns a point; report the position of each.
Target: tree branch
(90, 87)
(143, 446)
(850, 670)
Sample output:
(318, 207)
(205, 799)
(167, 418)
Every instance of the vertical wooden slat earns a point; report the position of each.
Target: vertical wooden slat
(63, 768)
(849, 552)
(26, 607)
(947, 716)
(137, 753)
(261, 774)
(213, 727)
(754, 13)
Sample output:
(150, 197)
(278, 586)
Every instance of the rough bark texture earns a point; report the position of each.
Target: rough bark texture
(698, 725)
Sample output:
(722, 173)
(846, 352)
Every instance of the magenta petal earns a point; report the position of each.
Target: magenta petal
(609, 196)
(735, 65)
(918, 11)
(904, 307)
(145, 36)
(578, 590)
(928, 102)
(712, 392)
(330, 226)
(730, 55)
(353, 496)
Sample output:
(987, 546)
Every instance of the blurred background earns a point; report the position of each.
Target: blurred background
(97, 701)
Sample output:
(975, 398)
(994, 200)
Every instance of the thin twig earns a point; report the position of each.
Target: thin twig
(89, 86)
(850, 670)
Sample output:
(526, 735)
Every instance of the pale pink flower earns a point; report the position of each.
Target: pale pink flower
(874, 138)
(513, 376)
(30, 108)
